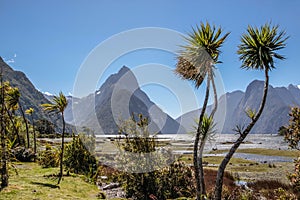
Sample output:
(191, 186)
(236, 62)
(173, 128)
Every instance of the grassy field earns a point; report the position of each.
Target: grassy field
(31, 183)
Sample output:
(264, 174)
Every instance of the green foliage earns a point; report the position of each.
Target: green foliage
(282, 130)
(111, 173)
(197, 58)
(208, 128)
(9, 98)
(49, 157)
(137, 148)
(251, 113)
(12, 122)
(78, 159)
(170, 182)
(295, 176)
(139, 185)
(89, 141)
(58, 106)
(282, 194)
(137, 158)
(175, 181)
(145, 173)
(45, 127)
(292, 134)
(259, 45)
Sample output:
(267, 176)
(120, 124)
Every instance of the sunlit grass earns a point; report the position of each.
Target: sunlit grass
(240, 165)
(30, 183)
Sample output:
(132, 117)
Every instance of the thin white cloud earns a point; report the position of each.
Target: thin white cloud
(15, 55)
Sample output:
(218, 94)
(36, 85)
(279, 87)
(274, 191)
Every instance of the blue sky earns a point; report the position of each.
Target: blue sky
(49, 40)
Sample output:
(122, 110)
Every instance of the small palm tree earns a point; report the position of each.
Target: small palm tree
(196, 61)
(30, 112)
(257, 51)
(14, 100)
(58, 106)
(11, 105)
(208, 131)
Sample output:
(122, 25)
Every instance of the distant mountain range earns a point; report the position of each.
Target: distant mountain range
(116, 100)
(120, 96)
(275, 114)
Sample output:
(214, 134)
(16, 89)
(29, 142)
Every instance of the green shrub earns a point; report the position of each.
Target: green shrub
(137, 158)
(282, 194)
(292, 136)
(175, 181)
(295, 177)
(49, 157)
(144, 171)
(78, 159)
(88, 141)
(112, 174)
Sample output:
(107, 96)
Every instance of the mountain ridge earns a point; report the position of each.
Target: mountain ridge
(108, 101)
(275, 114)
(116, 99)
(30, 96)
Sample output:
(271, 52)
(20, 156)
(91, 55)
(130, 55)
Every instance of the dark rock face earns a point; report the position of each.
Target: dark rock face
(30, 96)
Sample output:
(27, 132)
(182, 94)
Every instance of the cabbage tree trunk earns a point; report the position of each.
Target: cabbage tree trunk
(62, 150)
(243, 135)
(199, 174)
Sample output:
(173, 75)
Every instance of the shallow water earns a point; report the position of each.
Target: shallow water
(258, 158)
(183, 144)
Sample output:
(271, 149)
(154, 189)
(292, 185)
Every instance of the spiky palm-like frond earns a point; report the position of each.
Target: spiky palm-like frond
(208, 128)
(29, 111)
(198, 57)
(12, 97)
(259, 46)
(58, 106)
(250, 113)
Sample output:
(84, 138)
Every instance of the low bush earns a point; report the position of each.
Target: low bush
(147, 173)
(49, 157)
(111, 174)
(77, 158)
(175, 181)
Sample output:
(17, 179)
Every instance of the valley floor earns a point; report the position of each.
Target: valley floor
(30, 181)
(261, 157)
